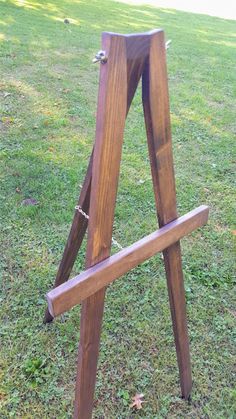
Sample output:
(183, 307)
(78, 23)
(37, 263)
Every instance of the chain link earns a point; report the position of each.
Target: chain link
(114, 241)
(78, 208)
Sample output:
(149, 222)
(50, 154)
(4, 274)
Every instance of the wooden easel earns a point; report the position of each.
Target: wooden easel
(124, 59)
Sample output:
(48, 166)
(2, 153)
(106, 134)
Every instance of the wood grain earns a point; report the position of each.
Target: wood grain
(137, 52)
(111, 114)
(67, 295)
(157, 118)
(123, 67)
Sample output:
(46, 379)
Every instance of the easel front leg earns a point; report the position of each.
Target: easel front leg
(76, 235)
(111, 114)
(157, 119)
(90, 332)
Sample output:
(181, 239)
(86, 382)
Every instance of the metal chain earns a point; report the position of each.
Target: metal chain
(114, 241)
(78, 208)
(168, 43)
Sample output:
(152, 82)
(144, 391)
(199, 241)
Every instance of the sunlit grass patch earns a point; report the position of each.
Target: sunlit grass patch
(48, 95)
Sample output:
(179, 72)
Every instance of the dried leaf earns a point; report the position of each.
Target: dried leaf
(233, 232)
(29, 201)
(7, 120)
(137, 401)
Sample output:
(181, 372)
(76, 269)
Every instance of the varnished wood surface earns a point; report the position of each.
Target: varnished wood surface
(111, 114)
(137, 52)
(74, 291)
(157, 118)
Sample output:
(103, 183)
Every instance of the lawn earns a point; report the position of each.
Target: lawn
(48, 95)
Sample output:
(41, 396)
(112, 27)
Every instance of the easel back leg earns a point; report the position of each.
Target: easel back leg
(157, 118)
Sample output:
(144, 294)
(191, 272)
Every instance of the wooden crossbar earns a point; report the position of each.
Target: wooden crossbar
(88, 282)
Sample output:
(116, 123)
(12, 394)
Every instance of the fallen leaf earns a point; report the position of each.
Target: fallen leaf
(137, 401)
(233, 232)
(7, 119)
(51, 149)
(2, 395)
(29, 201)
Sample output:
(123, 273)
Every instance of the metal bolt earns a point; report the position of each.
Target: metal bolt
(100, 57)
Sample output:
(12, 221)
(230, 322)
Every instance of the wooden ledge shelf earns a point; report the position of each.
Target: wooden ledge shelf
(88, 282)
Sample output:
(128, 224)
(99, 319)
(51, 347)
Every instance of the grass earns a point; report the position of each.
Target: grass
(48, 100)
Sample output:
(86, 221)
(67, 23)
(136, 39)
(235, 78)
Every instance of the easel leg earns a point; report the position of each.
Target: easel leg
(112, 104)
(156, 111)
(76, 235)
(174, 274)
(90, 332)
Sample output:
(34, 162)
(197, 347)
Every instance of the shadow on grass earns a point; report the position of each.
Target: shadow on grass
(49, 90)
